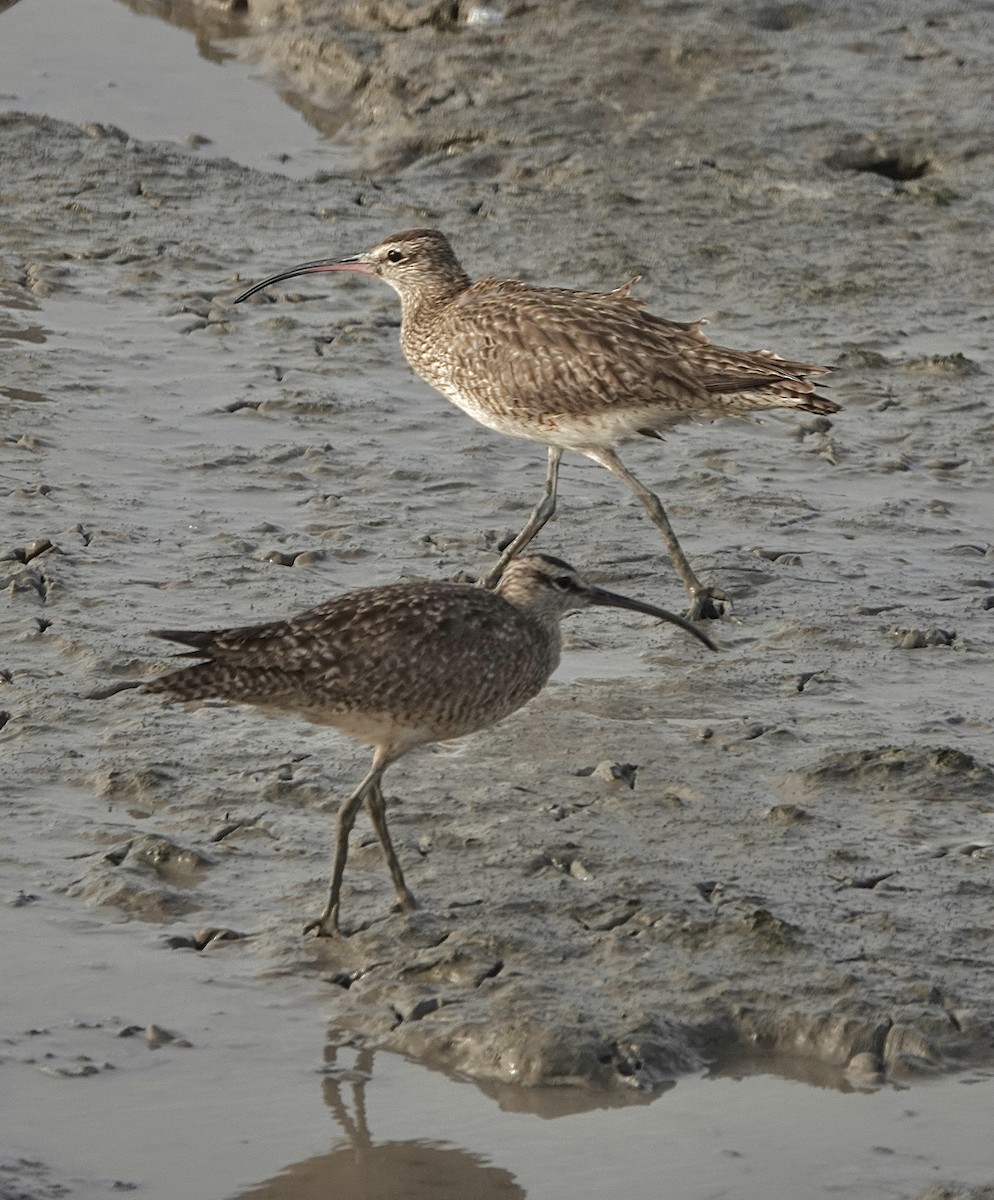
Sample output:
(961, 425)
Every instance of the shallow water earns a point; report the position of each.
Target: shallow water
(123, 68)
(266, 1103)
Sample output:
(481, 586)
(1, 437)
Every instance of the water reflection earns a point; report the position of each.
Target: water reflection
(213, 25)
(753, 1127)
(741, 1067)
(207, 24)
(362, 1168)
(553, 1102)
(385, 1171)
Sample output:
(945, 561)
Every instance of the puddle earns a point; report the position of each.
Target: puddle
(707, 1137)
(260, 1106)
(199, 1120)
(153, 80)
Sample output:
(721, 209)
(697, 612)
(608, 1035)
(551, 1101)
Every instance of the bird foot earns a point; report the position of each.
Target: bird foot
(324, 926)
(708, 604)
(327, 924)
(490, 579)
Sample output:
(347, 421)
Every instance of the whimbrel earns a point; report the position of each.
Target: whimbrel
(574, 370)
(397, 667)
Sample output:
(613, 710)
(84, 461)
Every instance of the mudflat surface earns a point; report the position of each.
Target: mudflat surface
(804, 864)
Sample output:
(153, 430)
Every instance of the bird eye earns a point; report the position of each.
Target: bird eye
(563, 583)
(394, 256)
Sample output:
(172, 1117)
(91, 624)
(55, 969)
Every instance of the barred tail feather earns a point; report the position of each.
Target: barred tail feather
(818, 404)
(217, 681)
(201, 638)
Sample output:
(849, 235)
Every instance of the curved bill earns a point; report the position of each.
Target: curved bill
(608, 599)
(312, 268)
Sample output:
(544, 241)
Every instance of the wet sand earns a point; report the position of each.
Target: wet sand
(803, 865)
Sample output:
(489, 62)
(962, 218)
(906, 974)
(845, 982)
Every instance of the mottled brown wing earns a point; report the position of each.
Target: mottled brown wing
(552, 350)
(398, 649)
(546, 351)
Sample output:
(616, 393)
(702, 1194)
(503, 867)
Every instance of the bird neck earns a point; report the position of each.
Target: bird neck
(419, 305)
(545, 612)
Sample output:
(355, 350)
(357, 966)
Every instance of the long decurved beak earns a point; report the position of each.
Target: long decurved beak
(608, 599)
(357, 263)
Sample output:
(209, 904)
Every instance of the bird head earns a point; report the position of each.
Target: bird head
(548, 588)
(414, 260)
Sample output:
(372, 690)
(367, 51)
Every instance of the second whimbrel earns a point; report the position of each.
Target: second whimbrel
(575, 370)
(397, 667)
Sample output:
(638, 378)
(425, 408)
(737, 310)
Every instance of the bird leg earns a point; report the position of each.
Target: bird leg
(327, 924)
(377, 808)
(705, 602)
(539, 515)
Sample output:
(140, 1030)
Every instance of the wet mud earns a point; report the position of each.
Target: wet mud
(668, 856)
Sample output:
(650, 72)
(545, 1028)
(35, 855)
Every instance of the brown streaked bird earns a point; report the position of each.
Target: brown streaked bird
(397, 667)
(574, 370)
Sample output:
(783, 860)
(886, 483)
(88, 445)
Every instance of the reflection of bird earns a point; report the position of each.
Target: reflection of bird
(361, 1167)
(573, 370)
(397, 667)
